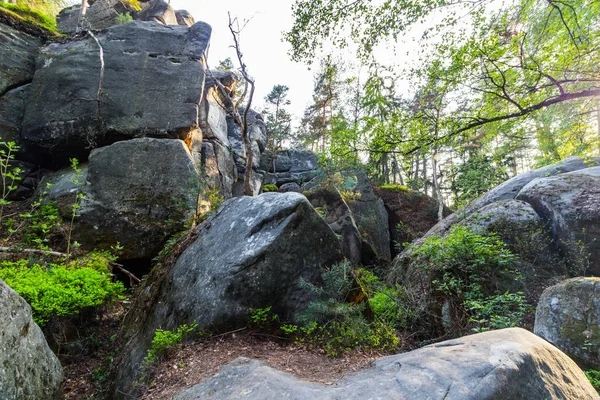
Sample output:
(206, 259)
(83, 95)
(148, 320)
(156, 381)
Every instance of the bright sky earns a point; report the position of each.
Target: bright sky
(264, 52)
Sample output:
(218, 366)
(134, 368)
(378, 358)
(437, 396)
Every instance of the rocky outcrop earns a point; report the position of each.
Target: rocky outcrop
(570, 205)
(273, 241)
(332, 207)
(370, 215)
(258, 136)
(505, 364)
(568, 316)
(410, 214)
(292, 166)
(28, 368)
(137, 192)
(137, 80)
(102, 14)
(18, 52)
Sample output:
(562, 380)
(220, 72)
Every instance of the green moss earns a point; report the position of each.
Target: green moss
(396, 188)
(270, 188)
(28, 15)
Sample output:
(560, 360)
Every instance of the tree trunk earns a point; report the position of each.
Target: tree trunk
(415, 184)
(84, 5)
(425, 182)
(436, 186)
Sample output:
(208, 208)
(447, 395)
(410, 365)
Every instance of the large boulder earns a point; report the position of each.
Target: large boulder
(150, 86)
(369, 213)
(156, 11)
(28, 368)
(570, 205)
(568, 316)
(137, 192)
(506, 364)
(250, 254)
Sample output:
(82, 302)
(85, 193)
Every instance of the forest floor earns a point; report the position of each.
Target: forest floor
(85, 366)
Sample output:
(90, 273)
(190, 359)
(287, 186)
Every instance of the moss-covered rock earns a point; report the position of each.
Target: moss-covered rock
(568, 316)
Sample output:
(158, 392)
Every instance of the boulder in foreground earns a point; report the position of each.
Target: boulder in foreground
(507, 364)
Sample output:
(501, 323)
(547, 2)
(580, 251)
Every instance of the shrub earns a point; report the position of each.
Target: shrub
(269, 187)
(59, 290)
(594, 377)
(338, 325)
(164, 340)
(470, 270)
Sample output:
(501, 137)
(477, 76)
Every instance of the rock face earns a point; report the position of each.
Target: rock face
(102, 14)
(28, 368)
(137, 192)
(18, 52)
(258, 136)
(335, 211)
(570, 204)
(506, 364)
(549, 218)
(568, 316)
(150, 86)
(370, 215)
(273, 240)
(292, 166)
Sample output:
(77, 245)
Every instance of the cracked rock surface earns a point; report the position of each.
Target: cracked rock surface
(151, 86)
(506, 364)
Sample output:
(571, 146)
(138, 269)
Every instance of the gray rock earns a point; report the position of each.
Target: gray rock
(18, 52)
(570, 205)
(157, 11)
(218, 166)
(213, 109)
(138, 192)
(295, 161)
(506, 364)
(184, 18)
(151, 87)
(511, 188)
(28, 368)
(271, 242)
(568, 316)
(68, 18)
(290, 187)
(335, 211)
(12, 108)
(370, 214)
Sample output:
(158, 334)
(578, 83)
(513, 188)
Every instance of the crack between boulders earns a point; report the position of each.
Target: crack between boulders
(15, 86)
(101, 81)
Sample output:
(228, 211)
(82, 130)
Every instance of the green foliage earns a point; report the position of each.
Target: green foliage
(164, 340)
(124, 18)
(262, 317)
(594, 377)
(269, 187)
(36, 12)
(9, 174)
(470, 269)
(337, 325)
(396, 188)
(61, 290)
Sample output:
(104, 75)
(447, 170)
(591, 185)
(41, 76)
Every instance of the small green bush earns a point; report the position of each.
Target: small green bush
(337, 325)
(471, 268)
(269, 187)
(165, 340)
(594, 377)
(59, 290)
(262, 317)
